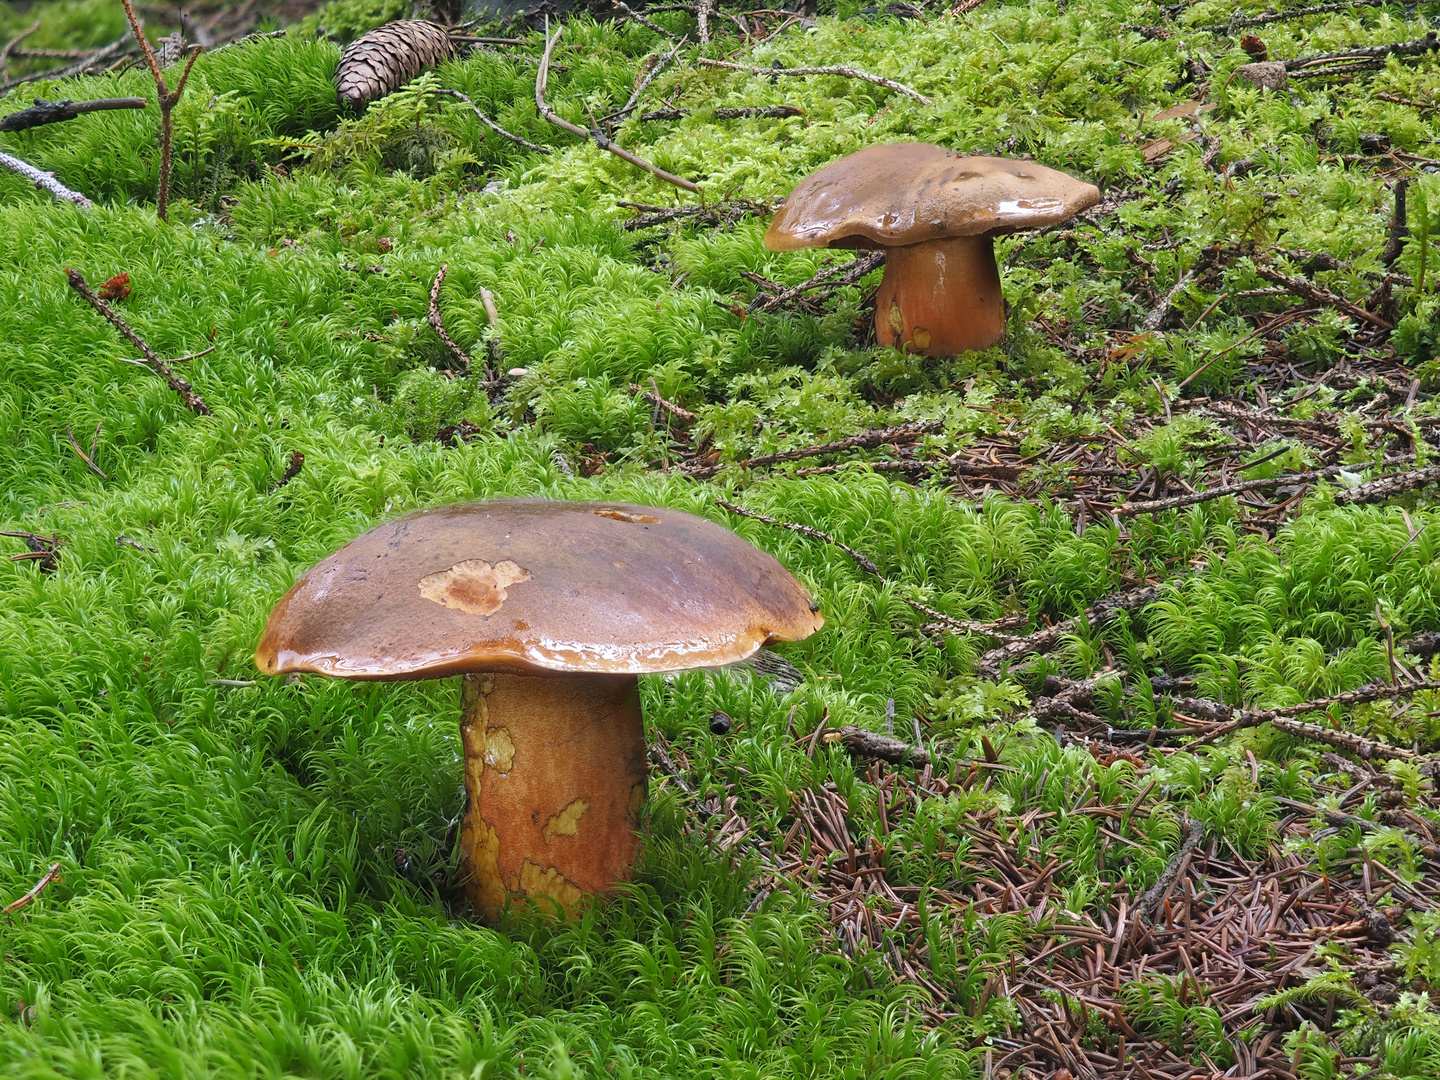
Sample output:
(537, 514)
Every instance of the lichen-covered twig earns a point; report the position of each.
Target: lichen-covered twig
(45, 181)
(168, 100)
(193, 401)
(460, 354)
(1318, 294)
(1385, 487)
(1154, 897)
(834, 276)
(53, 112)
(1155, 506)
(599, 138)
(1046, 639)
(834, 69)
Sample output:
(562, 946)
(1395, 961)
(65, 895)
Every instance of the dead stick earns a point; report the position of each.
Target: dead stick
(669, 406)
(1386, 487)
(168, 101)
(867, 564)
(1043, 640)
(45, 180)
(516, 139)
(99, 55)
(10, 46)
(187, 393)
(1318, 294)
(885, 747)
(54, 112)
(1429, 43)
(1238, 23)
(1155, 895)
(1155, 506)
(774, 112)
(51, 876)
(837, 69)
(631, 13)
(439, 326)
(177, 360)
(87, 458)
(597, 137)
(864, 441)
(843, 274)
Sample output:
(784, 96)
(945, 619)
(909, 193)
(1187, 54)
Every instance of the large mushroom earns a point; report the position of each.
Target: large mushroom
(550, 611)
(935, 214)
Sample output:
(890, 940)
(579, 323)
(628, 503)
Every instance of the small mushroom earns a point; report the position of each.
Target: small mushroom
(935, 214)
(550, 611)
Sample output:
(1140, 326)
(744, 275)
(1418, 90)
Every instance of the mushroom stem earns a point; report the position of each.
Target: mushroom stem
(941, 297)
(555, 775)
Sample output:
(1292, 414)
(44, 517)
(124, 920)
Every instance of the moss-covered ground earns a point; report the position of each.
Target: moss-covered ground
(257, 877)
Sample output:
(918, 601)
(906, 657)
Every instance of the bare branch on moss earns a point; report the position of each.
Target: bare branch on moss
(168, 100)
(1154, 897)
(834, 69)
(1044, 640)
(98, 56)
(1238, 23)
(193, 401)
(1319, 294)
(435, 321)
(655, 399)
(774, 112)
(599, 138)
(54, 112)
(45, 181)
(10, 46)
(51, 876)
(635, 16)
(516, 139)
(1386, 487)
(1156, 506)
(863, 441)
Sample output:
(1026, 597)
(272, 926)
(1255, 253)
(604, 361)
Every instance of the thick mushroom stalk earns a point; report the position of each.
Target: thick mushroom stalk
(554, 778)
(941, 298)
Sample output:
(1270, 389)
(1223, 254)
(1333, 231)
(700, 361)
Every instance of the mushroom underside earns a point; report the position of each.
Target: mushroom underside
(555, 776)
(941, 297)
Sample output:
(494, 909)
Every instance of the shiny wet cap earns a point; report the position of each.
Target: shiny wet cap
(528, 586)
(896, 194)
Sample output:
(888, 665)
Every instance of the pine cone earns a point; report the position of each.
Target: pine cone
(387, 58)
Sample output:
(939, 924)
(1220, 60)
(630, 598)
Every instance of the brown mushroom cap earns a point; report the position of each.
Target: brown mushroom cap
(896, 194)
(527, 586)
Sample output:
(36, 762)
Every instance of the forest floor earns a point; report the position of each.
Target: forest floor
(1116, 754)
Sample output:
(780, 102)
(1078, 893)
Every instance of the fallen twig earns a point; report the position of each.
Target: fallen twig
(1156, 506)
(178, 360)
(89, 458)
(1429, 43)
(599, 138)
(516, 139)
(43, 550)
(168, 100)
(9, 48)
(750, 112)
(1238, 23)
(864, 441)
(45, 180)
(834, 276)
(1385, 487)
(669, 406)
(187, 393)
(1318, 294)
(1043, 640)
(100, 55)
(1154, 897)
(835, 69)
(460, 354)
(885, 747)
(292, 470)
(632, 14)
(51, 876)
(867, 564)
(53, 112)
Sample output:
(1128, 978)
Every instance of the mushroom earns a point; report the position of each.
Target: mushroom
(550, 611)
(934, 213)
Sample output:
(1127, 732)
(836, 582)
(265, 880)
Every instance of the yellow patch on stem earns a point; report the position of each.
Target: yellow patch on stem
(567, 821)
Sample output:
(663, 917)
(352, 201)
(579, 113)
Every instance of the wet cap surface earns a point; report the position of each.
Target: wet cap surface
(896, 194)
(531, 586)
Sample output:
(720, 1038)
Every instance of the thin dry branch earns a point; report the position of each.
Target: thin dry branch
(192, 400)
(835, 69)
(872, 744)
(1154, 897)
(834, 277)
(45, 181)
(98, 56)
(864, 441)
(460, 354)
(1237, 23)
(1155, 506)
(516, 139)
(168, 100)
(669, 406)
(599, 138)
(1318, 294)
(632, 14)
(867, 564)
(54, 112)
(51, 876)
(1044, 640)
(1429, 43)
(774, 112)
